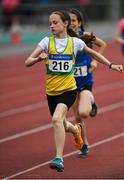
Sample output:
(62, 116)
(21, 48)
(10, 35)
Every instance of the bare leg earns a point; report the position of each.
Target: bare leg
(82, 108)
(59, 129)
(80, 120)
(76, 131)
(85, 103)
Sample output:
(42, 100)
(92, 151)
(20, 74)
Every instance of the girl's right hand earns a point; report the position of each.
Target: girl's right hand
(43, 56)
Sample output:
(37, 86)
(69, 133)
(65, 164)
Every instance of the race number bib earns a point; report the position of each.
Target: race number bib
(60, 63)
(80, 71)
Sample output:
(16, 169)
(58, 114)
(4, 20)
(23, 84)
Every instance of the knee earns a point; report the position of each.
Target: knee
(56, 120)
(84, 113)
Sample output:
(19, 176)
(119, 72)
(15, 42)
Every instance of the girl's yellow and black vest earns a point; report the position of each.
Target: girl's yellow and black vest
(59, 68)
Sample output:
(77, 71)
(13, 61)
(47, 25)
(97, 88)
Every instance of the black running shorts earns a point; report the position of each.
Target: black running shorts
(67, 98)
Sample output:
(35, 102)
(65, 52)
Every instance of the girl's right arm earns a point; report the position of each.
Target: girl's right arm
(37, 55)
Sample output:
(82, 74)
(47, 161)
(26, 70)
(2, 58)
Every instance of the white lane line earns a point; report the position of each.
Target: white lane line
(110, 86)
(19, 92)
(38, 105)
(111, 107)
(25, 133)
(23, 109)
(66, 155)
(48, 126)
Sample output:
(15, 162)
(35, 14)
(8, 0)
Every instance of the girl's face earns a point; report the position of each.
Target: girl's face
(75, 24)
(57, 26)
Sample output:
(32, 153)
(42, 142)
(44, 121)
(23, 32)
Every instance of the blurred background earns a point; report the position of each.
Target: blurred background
(26, 21)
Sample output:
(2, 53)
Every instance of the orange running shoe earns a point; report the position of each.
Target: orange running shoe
(78, 141)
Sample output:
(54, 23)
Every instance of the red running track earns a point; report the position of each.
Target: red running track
(26, 134)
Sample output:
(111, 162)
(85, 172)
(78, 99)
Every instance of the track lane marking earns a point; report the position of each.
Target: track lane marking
(23, 109)
(48, 126)
(39, 105)
(112, 138)
(25, 91)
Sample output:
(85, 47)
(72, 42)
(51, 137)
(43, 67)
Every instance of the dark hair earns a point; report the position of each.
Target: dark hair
(65, 17)
(79, 16)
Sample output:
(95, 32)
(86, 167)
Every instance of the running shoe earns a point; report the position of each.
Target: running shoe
(84, 150)
(78, 141)
(58, 164)
(94, 110)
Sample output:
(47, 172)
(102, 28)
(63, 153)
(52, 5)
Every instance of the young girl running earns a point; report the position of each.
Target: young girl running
(59, 59)
(84, 105)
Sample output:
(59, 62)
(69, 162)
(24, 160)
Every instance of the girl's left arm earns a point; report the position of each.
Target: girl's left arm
(100, 58)
(101, 45)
